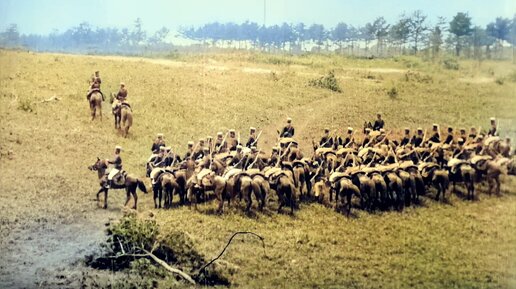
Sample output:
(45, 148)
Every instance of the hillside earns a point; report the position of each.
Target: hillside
(50, 219)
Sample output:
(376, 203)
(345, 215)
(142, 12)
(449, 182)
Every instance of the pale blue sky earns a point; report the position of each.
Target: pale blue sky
(41, 16)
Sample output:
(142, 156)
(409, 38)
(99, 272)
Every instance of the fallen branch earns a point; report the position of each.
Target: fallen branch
(53, 98)
(227, 245)
(170, 268)
(160, 262)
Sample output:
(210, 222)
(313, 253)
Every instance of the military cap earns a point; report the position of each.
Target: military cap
(252, 129)
(209, 137)
(419, 129)
(253, 148)
(190, 143)
(492, 119)
(350, 128)
(289, 119)
(231, 130)
(122, 83)
(435, 125)
(462, 129)
(407, 129)
(275, 149)
(219, 133)
(160, 134)
(201, 140)
(118, 148)
(239, 147)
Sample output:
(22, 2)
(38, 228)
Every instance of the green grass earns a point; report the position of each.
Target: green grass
(44, 152)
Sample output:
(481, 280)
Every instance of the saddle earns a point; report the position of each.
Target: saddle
(454, 164)
(155, 173)
(118, 179)
(336, 176)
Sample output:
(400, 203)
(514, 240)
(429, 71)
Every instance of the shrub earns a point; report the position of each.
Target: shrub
(392, 92)
(417, 77)
(328, 81)
(25, 105)
(499, 80)
(451, 64)
(131, 237)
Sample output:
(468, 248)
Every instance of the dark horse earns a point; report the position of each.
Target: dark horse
(130, 184)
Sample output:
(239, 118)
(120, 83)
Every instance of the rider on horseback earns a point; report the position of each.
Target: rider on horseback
(117, 165)
(95, 85)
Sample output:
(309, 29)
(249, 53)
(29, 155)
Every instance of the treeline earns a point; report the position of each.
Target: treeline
(85, 38)
(410, 34)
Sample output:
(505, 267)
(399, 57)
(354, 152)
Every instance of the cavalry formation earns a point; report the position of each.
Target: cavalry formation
(378, 170)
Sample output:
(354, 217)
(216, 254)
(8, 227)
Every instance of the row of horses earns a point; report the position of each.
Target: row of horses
(378, 178)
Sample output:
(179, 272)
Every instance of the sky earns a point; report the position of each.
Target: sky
(42, 16)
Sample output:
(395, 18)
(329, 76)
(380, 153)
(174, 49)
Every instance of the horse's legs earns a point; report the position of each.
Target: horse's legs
(128, 196)
(155, 197)
(135, 196)
(98, 193)
(105, 197)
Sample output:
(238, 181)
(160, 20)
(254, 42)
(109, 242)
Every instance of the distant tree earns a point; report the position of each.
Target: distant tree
(138, 35)
(317, 34)
(11, 36)
(379, 29)
(159, 36)
(340, 34)
(436, 36)
(480, 38)
(460, 26)
(400, 32)
(417, 27)
(365, 34)
(499, 30)
(512, 37)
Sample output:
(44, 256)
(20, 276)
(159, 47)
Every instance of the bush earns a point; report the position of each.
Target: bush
(25, 105)
(131, 237)
(328, 81)
(417, 77)
(499, 80)
(451, 64)
(392, 92)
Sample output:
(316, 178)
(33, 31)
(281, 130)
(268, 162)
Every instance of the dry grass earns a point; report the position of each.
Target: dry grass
(44, 152)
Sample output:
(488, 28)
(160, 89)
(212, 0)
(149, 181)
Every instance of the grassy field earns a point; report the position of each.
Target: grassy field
(49, 218)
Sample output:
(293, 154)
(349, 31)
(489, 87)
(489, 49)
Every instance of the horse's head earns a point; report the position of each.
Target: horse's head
(98, 165)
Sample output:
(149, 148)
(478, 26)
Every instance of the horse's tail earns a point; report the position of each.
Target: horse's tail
(141, 186)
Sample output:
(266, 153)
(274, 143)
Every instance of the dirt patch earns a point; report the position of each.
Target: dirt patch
(476, 80)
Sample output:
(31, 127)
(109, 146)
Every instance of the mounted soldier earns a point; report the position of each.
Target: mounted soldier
(326, 141)
(493, 131)
(406, 137)
(378, 123)
(449, 137)
(232, 140)
(116, 169)
(417, 140)
(121, 96)
(288, 130)
(472, 133)
(253, 140)
(436, 136)
(158, 142)
(348, 140)
(95, 85)
(189, 150)
(220, 143)
(273, 160)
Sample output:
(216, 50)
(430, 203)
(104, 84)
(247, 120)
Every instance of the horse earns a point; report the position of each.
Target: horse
(95, 101)
(126, 115)
(115, 110)
(130, 184)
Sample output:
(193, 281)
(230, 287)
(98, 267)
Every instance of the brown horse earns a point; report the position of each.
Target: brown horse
(95, 104)
(130, 184)
(126, 115)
